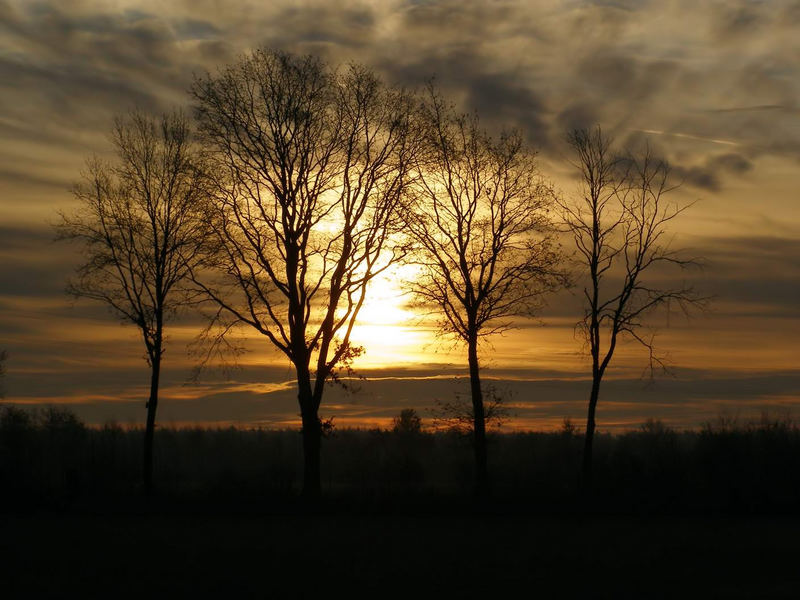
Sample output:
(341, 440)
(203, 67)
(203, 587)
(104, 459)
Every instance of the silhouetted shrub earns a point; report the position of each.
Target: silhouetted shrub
(408, 422)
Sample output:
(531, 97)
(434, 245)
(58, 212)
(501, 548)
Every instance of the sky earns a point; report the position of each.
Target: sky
(714, 87)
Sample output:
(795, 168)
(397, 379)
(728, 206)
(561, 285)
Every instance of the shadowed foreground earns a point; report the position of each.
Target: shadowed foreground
(391, 556)
(712, 513)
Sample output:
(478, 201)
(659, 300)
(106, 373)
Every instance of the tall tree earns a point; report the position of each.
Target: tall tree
(619, 225)
(311, 167)
(139, 227)
(485, 245)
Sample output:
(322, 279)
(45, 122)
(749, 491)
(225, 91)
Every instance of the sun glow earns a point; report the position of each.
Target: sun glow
(388, 329)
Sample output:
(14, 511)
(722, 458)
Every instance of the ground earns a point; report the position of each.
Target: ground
(265, 556)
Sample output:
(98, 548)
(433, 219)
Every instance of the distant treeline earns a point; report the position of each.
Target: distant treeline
(49, 459)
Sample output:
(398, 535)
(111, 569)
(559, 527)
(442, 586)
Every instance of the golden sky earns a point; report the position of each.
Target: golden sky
(713, 86)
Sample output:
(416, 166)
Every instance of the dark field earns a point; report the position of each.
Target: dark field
(710, 513)
(162, 555)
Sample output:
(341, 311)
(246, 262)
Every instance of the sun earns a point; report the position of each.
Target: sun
(386, 327)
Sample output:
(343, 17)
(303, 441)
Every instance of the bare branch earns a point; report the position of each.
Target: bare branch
(618, 224)
(311, 166)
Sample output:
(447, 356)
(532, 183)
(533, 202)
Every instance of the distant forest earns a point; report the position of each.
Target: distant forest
(50, 460)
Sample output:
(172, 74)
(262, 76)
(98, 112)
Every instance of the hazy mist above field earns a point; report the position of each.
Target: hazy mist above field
(714, 87)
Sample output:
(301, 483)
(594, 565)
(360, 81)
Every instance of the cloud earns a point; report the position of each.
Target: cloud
(757, 274)
(541, 67)
(195, 29)
(30, 263)
(696, 176)
(730, 162)
(712, 173)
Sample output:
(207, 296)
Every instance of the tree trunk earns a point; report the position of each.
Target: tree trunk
(312, 436)
(150, 425)
(479, 423)
(590, 427)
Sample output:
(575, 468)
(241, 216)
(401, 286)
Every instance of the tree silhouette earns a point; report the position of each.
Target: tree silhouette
(407, 422)
(140, 233)
(619, 225)
(311, 165)
(485, 246)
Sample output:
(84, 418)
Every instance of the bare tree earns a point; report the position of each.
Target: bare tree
(311, 167)
(619, 225)
(139, 228)
(486, 248)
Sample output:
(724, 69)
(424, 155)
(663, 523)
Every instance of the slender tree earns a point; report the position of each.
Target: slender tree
(311, 166)
(485, 245)
(619, 225)
(140, 232)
